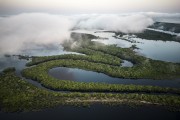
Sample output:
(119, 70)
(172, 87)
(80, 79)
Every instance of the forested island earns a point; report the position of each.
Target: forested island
(19, 95)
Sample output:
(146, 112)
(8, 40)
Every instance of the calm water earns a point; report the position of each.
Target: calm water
(126, 64)
(45, 50)
(80, 75)
(96, 112)
(12, 61)
(40, 50)
(158, 50)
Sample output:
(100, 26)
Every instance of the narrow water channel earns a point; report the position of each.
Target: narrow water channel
(80, 75)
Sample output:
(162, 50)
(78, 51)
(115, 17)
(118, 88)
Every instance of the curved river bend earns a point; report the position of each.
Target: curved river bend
(80, 75)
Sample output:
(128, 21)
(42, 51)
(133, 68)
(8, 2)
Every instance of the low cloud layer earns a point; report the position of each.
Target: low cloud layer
(30, 30)
(164, 17)
(127, 24)
(26, 31)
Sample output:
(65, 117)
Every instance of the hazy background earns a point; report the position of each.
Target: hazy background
(28, 24)
(88, 6)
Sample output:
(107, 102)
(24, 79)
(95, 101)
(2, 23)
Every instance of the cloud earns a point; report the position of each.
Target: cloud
(127, 24)
(178, 37)
(26, 31)
(156, 14)
(32, 30)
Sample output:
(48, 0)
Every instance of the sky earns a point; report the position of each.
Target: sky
(88, 6)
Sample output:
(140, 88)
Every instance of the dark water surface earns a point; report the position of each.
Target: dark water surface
(96, 112)
(80, 75)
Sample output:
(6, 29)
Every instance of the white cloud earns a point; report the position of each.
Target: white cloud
(131, 23)
(23, 31)
(28, 30)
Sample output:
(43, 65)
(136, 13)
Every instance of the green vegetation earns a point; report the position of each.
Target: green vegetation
(152, 35)
(10, 69)
(107, 59)
(19, 95)
(81, 41)
(16, 94)
(23, 57)
(40, 73)
(92, 56)
(174, 27)
(143, 67)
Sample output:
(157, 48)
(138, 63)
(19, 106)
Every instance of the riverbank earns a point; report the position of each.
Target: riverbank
(19, 95)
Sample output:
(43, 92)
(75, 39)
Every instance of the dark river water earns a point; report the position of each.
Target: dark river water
(96, 112)
(80, 75)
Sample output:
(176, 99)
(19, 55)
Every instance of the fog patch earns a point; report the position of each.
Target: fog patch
(126, 24)
(31, 31)
(28, 31)
(178, 37)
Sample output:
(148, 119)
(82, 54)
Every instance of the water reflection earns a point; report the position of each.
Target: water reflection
(158, 50)
(126, 63)
(39, 50)
(80, 75)
(12, 61)
(63, 73)
(46, 50)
